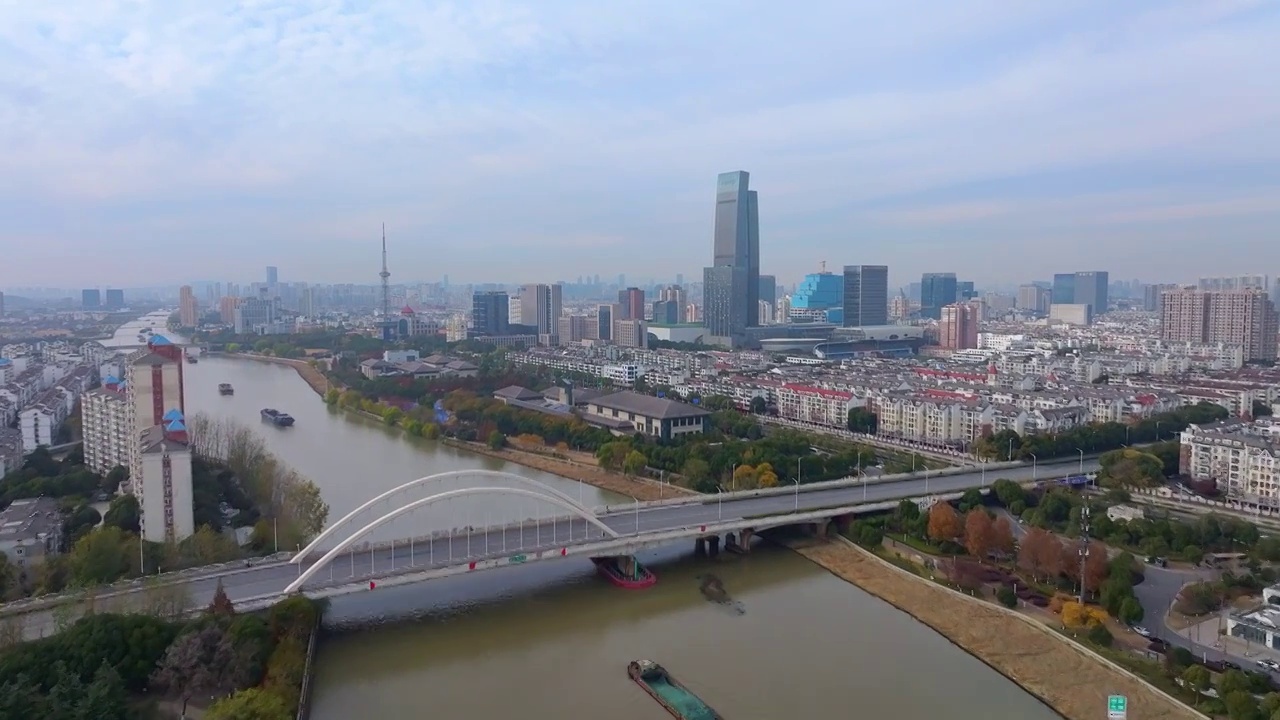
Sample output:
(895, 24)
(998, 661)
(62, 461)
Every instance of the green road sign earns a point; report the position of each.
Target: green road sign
(1117, 707)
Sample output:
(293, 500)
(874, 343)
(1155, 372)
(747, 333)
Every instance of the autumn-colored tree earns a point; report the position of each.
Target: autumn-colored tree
(1002, 536)
(221, 605)
(1095, 567)
(978, 533)
(766, 477)
(1040, 554)
(944, 523)
(1075, 615)
(745, 477)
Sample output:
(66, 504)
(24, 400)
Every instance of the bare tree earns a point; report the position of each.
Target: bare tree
(199, 662)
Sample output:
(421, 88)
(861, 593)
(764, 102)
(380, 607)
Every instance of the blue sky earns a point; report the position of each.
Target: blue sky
(530, 141)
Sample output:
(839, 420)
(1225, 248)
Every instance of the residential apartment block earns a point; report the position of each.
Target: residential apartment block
(1239, 317)
(1241, 457)
(108, 435)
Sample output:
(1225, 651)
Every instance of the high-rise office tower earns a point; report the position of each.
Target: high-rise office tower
(540, 307)
(731, 285)
(1092, 288)
(115, 299)
(188, 314)
(1239, 317)
(1064, 289)
(665, 312)
(769, 289)
(676, 294)
(965, 290)
(489, 313)
(1033, 298)
(605, 315)
(936, 291)
(90, 299)
(631, 303)
(866, 295)
(273, 277)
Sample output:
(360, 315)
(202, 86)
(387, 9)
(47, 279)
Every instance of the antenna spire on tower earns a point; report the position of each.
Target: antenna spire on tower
(387, 324)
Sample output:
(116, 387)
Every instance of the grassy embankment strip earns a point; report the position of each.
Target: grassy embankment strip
(1071, 679)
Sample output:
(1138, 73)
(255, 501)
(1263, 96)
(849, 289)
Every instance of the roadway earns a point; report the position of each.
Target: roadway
(546, 536)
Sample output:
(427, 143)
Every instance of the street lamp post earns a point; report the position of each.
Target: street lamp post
(1081, 460)
(797, 494)
(637, 503)
(1009, 456)
(719, 503)
(1033, 467)
(984, 473)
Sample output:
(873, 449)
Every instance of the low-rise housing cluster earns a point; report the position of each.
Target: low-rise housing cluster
(1241, 457)
(40, 385)
(940, 401)
(407, 363)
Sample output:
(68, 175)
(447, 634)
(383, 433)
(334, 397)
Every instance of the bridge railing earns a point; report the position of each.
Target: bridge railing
(790, 489)
(128, 585)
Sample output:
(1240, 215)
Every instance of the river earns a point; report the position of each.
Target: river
(551, 640)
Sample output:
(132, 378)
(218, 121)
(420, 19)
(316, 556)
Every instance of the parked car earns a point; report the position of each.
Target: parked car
(1141, 631)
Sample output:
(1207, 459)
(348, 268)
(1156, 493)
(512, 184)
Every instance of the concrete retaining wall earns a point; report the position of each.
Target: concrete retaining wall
(308, 672)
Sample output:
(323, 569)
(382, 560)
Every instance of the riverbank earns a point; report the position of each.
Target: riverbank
(312, 376)
(593, 475)
(1072, 680)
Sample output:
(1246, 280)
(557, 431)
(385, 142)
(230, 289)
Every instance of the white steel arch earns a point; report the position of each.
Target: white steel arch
(304, 552)
(388, 517)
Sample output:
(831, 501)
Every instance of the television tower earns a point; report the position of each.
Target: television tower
(388, 326)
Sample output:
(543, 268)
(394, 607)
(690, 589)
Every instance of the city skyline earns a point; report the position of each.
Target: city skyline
(148, 141)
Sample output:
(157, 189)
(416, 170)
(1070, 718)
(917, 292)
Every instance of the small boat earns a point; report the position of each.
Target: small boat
(638, 578)
(192, 359)
(669, 692)
(226, 389)
(277, 418)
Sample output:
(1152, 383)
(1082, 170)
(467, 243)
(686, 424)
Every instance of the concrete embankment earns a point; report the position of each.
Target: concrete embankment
(311, 375)
(1069, 678)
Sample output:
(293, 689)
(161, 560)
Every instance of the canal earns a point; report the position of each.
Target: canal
(551, 640)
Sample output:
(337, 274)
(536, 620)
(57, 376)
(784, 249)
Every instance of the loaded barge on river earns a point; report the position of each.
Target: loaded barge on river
(670, 694)
(277, 418)
(226, 389)
(625, 572)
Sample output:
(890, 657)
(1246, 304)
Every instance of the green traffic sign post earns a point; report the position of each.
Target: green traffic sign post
(1117, 707)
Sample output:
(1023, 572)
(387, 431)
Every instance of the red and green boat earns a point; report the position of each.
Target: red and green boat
(630, 575)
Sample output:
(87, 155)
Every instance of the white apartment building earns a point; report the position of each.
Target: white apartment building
(914, 417)
(164, 475)
(10, 450)
(816, 405)
(1242, 458)
(40, 420)
(108, 435)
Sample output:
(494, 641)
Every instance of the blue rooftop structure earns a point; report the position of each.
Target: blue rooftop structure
(5, 361)
(159, 340)
(173, 414)
(111, 380)
(176, 426)
(819, 291)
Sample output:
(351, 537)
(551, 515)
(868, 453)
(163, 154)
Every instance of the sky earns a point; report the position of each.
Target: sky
(156, 143)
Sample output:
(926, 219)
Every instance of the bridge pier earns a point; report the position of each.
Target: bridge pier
(700, 547)
(744, 539)
(713, 545)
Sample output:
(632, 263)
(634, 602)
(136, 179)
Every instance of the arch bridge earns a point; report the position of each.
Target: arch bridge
(456, 546)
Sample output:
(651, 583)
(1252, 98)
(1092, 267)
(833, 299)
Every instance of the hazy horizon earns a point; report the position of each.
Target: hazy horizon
(148, 145)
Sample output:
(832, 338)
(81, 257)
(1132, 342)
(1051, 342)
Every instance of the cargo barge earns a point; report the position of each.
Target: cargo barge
(277, 418)
(669, 692)
(638, 578)
(226, 389)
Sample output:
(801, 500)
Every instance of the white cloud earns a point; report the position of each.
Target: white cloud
(585, 126)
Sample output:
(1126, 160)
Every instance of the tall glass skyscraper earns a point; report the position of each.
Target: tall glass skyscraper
(731, 298)
(936, 290)
(866, 295)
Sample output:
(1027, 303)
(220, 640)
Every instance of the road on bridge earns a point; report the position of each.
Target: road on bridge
(547, 535)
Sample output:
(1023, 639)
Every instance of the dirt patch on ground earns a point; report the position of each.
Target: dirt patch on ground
(589, 474)
(1073, 683)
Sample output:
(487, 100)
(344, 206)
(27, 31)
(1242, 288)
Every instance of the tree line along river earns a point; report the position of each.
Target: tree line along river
(551, 640)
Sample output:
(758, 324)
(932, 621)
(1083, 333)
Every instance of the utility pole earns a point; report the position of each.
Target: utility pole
(1084, 547)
